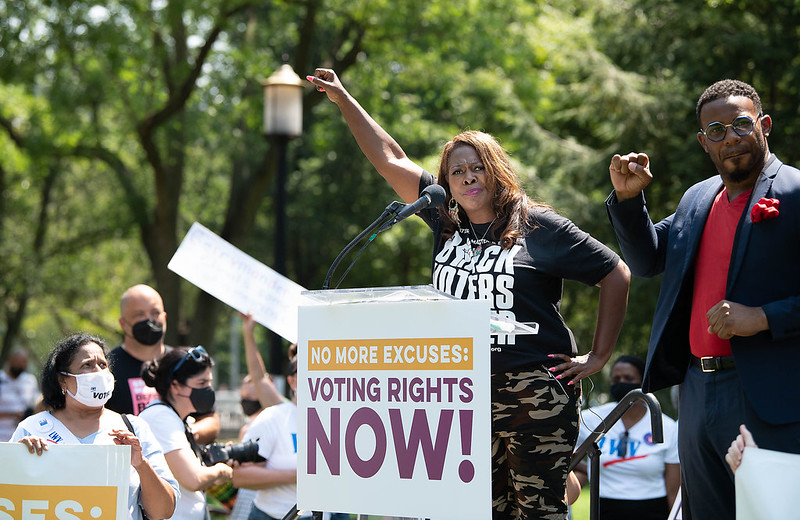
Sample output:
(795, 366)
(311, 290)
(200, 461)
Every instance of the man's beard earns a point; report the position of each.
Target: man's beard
(740, 174)
(754, 166)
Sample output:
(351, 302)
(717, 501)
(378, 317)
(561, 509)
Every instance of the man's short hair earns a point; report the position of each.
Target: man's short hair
(726, 88)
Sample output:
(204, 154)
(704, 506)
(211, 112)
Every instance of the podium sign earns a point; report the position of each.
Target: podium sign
(394, 412)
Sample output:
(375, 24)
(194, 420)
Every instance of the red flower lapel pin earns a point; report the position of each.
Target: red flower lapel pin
(765, 209)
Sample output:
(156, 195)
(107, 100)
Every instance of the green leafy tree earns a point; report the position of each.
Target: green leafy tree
(121, 124)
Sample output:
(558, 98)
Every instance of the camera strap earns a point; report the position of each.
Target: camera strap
(189, 436)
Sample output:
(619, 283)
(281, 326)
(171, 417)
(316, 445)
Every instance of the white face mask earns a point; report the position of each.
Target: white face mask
(94, 388)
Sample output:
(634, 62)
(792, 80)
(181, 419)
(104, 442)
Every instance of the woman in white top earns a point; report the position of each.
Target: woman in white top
(276, 479)
(182, 377)
(638, 478)
(76, 383)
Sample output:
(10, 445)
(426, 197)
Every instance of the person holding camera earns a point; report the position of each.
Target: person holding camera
(182, 378)
(275, 429)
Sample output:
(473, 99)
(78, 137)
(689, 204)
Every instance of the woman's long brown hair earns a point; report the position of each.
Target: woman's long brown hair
(510, 203)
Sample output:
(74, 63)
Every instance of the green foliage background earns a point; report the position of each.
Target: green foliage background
(124, 123)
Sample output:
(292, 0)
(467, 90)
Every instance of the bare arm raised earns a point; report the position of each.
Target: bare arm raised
(267, 394)
(378, 146)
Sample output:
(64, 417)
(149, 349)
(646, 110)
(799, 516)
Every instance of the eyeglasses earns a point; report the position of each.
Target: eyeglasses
(197, 353)
(742, 125)
(622, 450)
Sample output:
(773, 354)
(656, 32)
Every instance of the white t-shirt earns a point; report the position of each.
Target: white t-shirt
(169, 431)
(276, 431)
(16, 396)
(43, 424)
(640, 475)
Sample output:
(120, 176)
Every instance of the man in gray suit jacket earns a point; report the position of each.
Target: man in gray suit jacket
(727, 323)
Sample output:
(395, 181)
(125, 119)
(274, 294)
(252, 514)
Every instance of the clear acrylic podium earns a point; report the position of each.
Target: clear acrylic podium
(498, 324)
(394, 414)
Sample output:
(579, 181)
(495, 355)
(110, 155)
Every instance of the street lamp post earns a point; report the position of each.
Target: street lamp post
(283, 120)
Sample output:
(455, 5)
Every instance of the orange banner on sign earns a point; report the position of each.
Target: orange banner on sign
(83, 502)
(391, 354)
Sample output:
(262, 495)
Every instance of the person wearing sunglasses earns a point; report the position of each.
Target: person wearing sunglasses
(725, 324)
(637, 478)
(182, 377)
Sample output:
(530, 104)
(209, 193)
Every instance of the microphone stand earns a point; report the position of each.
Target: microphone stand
(391, 210)
(388, 214)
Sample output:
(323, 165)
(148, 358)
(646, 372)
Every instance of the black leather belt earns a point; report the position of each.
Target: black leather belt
(713, 364)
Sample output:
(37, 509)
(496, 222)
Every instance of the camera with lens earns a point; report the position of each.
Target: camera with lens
(246, 451)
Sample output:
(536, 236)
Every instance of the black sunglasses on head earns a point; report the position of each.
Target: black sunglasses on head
(197, 353)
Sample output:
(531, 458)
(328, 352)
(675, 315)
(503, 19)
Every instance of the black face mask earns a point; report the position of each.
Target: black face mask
(148, 332)
(203, 399)
(620, 390)
(16, 371)
(250, 406)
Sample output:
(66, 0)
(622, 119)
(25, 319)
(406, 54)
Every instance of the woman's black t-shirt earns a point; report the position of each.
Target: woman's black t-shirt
(524, 283)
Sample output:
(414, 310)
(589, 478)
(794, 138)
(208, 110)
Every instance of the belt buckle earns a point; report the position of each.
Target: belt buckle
(711, 366)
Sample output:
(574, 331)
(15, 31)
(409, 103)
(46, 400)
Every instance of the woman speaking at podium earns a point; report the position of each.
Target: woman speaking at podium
(493, 242)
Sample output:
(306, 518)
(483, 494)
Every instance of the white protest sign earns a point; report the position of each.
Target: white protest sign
(394, 414)
(239, 280)
(766, 485)
(65, 482)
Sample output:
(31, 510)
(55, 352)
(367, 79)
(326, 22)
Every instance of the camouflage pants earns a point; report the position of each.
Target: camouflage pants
(534, 429)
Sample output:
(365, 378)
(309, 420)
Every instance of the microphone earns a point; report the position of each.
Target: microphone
(432, 196)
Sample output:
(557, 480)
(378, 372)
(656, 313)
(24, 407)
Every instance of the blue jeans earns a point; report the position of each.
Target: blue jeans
(257, 514)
